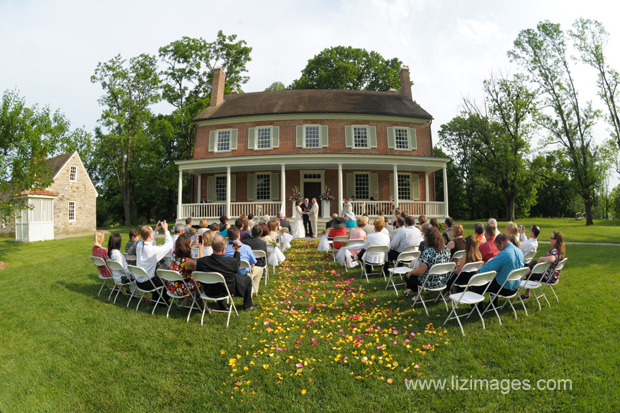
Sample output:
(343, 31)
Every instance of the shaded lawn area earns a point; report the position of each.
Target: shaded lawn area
(62, 348)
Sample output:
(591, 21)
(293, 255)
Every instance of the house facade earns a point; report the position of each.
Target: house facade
(253, 149)
(67, 206)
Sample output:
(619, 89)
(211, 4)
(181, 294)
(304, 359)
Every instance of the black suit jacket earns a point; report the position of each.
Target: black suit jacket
(257, 244)
(229, 268)
(284, 223)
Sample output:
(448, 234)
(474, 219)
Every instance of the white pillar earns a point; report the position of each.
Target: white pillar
(426, 208)
(180, 199)
(283, 189)
(228, 191)
(395, 186)
(199, 187)
(340, 197)
(445, 189)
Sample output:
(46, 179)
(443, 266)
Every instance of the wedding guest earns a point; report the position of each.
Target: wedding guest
(204, 226)
(529, 244)
(421, 221)
(251, 221)
(257, 244)
(472, 254)
(489, 249)
(512, 229)
(447, 234)
(457, 243)
(101, 252)
(182, 263)
(114, 254)
(130, 247)
(148, 255)
(554, 256)
(206, 246)
(479, 230)
(434, 253)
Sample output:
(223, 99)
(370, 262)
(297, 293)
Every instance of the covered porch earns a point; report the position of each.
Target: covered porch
(262, 185)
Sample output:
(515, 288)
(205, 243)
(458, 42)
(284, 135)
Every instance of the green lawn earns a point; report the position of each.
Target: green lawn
(62, 348)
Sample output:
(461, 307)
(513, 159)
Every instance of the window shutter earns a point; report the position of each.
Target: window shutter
(251, 194)
(300, 136)
(413, 139)
(350, 185)
(391, 138)
(374, 186)
(372, 131)
(210, 188)
(233, 188)
(391, 184)
(324, 136)
(275, 137)
(415, 186)
(233, 139)
(274, 184)
(348, 135)
(212, 140)
(251, 138)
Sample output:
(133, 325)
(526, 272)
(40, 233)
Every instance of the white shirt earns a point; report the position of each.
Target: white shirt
(118, 257)
(202, 231)
(175, 237)
(377, 238)
(383, 231)
(528, 245)
(149, 255)
(406, 237)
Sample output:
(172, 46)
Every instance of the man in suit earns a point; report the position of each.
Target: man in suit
(314, 216)
(305, 208)
(284, 222)
(348, 208)
(257, 244)
(238, 285)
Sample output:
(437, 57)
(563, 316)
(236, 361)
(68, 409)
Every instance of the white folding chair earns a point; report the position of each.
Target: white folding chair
(352, 244)
(469, 297)
(173, 276)
(549, 286)
(514, 275)
(340, 238)
(214, 278)
(457, 255)
(262, 254)
(404, 258)
(140, 273)
(375, 249)
(527, 284)
(99, 262)
(243, 264)
(437, 269)
(410, 248)
(129, 257)
(527, 258)
(117, 266)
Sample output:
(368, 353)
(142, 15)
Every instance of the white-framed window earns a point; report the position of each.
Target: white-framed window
(263, 137)
(312, 136)
(73, 174)
(404, 187)
(223, 141)
(72, 211)
(362, 186)
(263, 186)
(360, 137)
(220, 188)
(401, 138)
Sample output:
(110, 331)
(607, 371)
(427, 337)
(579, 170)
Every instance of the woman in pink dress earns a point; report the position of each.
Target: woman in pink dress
(101, 252)
(355, 233)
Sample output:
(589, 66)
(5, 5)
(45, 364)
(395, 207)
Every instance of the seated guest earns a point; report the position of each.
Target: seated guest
(421, 221)
(529, 244)
(179, 229)
(513, 240)
(284, 223)
(238, 285)
(422, 245)
(99, 251)
(457, 243)
(488, 249)
(350, 220)
(409, 236)
(266, 237)
(472, 254)
(257, 244)
(148, 255)
(434, 253)
(512, 229)
(355, 233)
(338, 230)
(204, 226)
(206, 246)
(493, 221)
(447, 234)
(192, 234)
(246, 254)
(274, 225)
(329, 223)
(182, 263)
(188, 224)
(130, 247)
(434, 222)
(215, 228)
(400, 223)
(376, 238)
(243, 231)
(223, 224)
(554, 256)
(114, 254)
(368, 228)
(383, 230)
(479, 230)
(251, 222)
(510, 258)
(396, 216)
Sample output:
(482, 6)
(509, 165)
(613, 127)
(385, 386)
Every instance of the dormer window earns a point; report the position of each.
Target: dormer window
(73, 174)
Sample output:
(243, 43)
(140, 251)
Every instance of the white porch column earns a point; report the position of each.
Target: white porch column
(340, 197)
(283, 190)
(445, 189)
(180, 199)
(426, 203)
(395, 186)
(199, 187)
(228, 191)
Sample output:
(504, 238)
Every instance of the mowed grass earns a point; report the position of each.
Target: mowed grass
(62, 348)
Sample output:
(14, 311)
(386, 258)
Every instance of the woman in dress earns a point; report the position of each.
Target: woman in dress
(298, 224)
(344, 254)
(376, 238)
(338, 230)
(99, 251)
(435, 252)
(457, 243)
(182, 263)
(557, 254)
(207, 240)
(273, 244)
(114, 254)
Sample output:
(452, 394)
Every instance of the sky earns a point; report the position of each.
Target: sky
(50, 48)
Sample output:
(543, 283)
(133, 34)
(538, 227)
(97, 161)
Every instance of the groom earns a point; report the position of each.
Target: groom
(305, 209)
(314, 216)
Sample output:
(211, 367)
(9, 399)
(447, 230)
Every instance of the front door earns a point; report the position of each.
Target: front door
(313, 190)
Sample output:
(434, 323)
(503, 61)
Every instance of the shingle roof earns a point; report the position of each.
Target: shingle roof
(314, 101)
(39, 192)
(57, 162)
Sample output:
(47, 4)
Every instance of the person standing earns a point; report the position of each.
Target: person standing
(347, 208)
(305, 208)
(314, 216)
(298, 225)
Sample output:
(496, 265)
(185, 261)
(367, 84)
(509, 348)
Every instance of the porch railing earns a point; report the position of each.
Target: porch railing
(215, 210)
(430, 209)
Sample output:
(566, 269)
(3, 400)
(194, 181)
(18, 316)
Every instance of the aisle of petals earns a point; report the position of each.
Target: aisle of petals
(315, 314)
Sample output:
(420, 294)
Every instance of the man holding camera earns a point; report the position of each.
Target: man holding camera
(528, 244)
(254, 272)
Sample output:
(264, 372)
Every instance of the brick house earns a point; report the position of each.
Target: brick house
(253, 148)
(67, 206)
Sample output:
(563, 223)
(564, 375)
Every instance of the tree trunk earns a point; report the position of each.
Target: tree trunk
(588, 204)
(134, 210)
(126, 195)
(510, 207)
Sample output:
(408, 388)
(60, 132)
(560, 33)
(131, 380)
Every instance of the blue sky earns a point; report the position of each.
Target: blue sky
(51, 48)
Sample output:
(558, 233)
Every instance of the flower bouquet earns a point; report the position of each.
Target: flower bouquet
(259, 210)
(325, 195)
(274, 243)
(296, 195)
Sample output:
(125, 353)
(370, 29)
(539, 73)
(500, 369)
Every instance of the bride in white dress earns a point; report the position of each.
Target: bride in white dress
(298, 225)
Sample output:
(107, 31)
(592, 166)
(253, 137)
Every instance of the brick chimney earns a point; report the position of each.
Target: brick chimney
(219, 80)
(405, 83)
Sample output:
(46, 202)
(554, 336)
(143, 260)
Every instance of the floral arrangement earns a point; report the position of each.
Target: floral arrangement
(325, 195)
(259, 210)
(296, 195)
(274, 243)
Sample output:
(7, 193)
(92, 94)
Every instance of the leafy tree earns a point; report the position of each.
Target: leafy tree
(28, 136)
(543, 54)
(615, 202)
(555, 196)
(348, 68)
(275, 86)
(129, 91)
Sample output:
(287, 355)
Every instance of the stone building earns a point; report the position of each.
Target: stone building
(252, 149)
